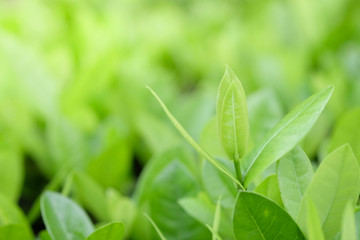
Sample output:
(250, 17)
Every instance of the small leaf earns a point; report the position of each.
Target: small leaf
(270, 188)
(334, 184)
(217, 219)
(348, 223)
(111, 231)
(256, 217)
(314, 229)
(232, 115)
(63, 218)
(192, 142)
(285, 135)
(294, 172)
(14, 232)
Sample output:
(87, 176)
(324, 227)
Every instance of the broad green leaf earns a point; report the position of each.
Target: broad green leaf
(347, 131)
(334, 184)
(14, 232)
(285, 135)
(209, 140)
(157, 229)
(204, 211)
(232, 115)
(256, 217)
(348, 229)
(11, 214)
(192, 142)
(313, 225)
(270, 188)
(91, 195)
(111, 231)
(218, 184)
(63, 218)
(294, 172)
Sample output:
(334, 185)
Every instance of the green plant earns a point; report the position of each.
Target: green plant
(286, 204)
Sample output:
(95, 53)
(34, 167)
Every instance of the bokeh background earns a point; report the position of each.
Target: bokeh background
(73, 77)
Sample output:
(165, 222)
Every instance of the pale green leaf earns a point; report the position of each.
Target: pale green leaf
(162, 237)
(285, 135)
(232, 115)
(63, 218)
(313, 225)
(333, 185)
(348, 229)
(294, 172)
(270, 188)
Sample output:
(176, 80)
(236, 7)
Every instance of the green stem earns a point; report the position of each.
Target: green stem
(237, 169)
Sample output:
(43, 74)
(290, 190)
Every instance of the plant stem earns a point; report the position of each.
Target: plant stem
(237, 169)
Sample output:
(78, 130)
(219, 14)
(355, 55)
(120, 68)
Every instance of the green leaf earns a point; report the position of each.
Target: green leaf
(294, 172)
(11, 214)
(218, 184)
(348, 229)
(334, 184)
(63, 218)
(111, 231)
(91, 195)
(192, 142)
(157, 229)
(256, 217)
(14, 232)
(232, 115)
(314, 229)
(217, 219)
(270, 188)
(44, 235)
(285, 135)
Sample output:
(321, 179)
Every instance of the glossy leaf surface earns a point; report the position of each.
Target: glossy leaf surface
(256, 217)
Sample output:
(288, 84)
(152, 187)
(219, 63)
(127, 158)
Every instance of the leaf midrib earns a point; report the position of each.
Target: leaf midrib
(277, 133)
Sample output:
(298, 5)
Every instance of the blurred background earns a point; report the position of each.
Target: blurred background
(73, 77)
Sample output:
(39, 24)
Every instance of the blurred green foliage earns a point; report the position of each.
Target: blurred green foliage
(74, 109)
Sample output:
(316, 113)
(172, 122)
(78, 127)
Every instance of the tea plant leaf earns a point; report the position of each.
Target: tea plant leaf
(294, 172)
(256, 217)
(285, 135)
(162, 237)
(217, 219)
(314, 230)
(334, 184)
(111, 231)
(348, 229)
(232, 115)
(44, 235)
(192, 142)
(63, 218)
(14, 232)
(270, 188)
